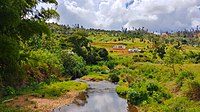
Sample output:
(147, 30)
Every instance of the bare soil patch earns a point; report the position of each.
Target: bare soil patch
(35, 104)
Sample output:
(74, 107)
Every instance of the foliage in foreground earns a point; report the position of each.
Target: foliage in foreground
(179, 104)
(16, 28)
(155, 89)
(142, 93)
(5, 108)
(192, 90)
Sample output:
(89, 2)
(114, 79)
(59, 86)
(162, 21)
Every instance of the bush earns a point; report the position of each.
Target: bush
(152, 87)
(193, 90)
(146, 93)
(74, 65)
(41, 56)
(95, 55)
(52, 79)
(122, 90)
(94, 68)
(110, 65)
(141, 58)
(104, 72)
(103, 53)
(183, 77)
(186, 75)
(193, 57)
(114, 77)
(8, 91)
(11, 73)
(42, 64)
(136, 97)
(179, 104)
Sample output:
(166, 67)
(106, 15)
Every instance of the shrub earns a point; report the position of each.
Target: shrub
(122, 90)
(136, 97)
(11, 73)
(42, 64)
(114, 77)
(110, 65)
(141, 58)
(179, 104)
(94, 68)
(74, 65)
(193, 90)
(193, 57)
(103, 53)
(9, 91)
(183, 77)
(186, 75)
(52, 79)
(152, 87)
(146, 92)
(104, 72)
(41, 56)
(94, 55)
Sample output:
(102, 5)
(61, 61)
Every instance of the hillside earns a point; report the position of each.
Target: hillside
(154, 72)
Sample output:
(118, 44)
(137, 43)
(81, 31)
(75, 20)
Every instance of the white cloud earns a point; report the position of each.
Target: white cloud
(113, 14)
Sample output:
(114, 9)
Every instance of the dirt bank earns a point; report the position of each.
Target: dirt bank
(35, 104)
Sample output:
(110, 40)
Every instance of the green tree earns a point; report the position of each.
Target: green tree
(103, 53)
(96, 54)
(74, 65)
(78, 42)
(9, 61)
(19, 21)
(172, 57)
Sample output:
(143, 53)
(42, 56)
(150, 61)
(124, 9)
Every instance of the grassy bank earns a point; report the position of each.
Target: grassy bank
(95, 77)
(34, 97)
(60, 88)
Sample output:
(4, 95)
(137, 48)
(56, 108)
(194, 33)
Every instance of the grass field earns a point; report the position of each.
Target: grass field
(133, 74)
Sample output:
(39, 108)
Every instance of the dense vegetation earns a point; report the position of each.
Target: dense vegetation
(39, 58)
(160, 77)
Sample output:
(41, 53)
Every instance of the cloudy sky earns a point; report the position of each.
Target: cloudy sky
(156, 15)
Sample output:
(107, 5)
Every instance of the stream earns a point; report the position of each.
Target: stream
(100, 97)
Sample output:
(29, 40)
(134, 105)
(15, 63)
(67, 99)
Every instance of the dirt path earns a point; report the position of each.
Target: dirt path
(35, 104)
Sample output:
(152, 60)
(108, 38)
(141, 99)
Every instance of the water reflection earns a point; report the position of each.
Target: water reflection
(100, 97)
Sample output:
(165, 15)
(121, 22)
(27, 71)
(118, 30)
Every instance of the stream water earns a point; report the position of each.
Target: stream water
(100, 97)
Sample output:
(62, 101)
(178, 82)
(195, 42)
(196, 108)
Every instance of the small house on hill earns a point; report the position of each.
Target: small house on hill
(134, 50)
(119, 47)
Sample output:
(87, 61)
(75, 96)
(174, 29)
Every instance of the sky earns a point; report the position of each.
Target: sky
(155, 15)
